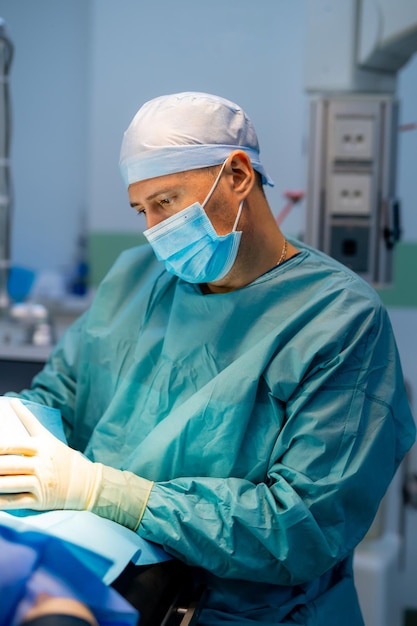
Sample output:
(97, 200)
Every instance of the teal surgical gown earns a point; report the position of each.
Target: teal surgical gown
(271, 418)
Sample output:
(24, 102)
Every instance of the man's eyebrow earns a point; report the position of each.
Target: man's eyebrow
(152, 196)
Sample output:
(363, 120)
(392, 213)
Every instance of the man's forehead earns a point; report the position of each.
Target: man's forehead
(169, 182)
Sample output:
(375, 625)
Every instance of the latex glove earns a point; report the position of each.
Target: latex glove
(42, 473)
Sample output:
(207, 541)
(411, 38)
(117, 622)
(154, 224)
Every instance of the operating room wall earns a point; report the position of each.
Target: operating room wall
(83, 67)
(49, 84)
(404, 318)
(250, 52)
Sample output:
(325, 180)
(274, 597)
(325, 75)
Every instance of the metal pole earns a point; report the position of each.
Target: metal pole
(6, 54)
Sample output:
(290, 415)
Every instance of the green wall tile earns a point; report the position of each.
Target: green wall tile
(403, 291)
(104, 248)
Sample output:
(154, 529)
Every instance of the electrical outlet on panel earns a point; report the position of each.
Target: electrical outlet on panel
(353, 139)
(350, 194)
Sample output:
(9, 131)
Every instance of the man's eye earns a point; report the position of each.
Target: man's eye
(165, 201)
(140, 211)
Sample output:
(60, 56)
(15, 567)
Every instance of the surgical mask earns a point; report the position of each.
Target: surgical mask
(190, 247)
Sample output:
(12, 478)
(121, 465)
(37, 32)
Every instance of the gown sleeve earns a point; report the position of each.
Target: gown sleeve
(345, 429)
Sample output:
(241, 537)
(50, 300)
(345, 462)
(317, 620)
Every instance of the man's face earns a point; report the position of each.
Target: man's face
(159, 198)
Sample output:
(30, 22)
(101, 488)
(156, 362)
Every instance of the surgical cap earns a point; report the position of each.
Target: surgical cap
(186, 131)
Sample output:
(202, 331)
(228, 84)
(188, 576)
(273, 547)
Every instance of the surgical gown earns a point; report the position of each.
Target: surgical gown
(271, 418)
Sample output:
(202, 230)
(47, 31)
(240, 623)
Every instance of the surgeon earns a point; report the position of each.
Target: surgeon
(237, 395)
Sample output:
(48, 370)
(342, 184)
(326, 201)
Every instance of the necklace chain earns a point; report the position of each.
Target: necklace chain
(283, 253)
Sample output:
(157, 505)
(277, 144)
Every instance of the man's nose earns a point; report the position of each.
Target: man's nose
(152, 218)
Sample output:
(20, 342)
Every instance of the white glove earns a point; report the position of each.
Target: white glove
(42, 473)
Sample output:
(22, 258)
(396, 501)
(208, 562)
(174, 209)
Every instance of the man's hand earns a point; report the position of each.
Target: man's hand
(42, 473)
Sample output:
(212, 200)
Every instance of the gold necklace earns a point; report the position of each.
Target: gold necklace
(283, 253)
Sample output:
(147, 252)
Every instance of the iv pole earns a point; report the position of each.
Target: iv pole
(34, 318)
(6, 55)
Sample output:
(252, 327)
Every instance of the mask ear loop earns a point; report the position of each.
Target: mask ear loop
(239, 212)
(212, 190)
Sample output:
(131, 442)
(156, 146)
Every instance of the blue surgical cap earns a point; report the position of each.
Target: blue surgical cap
(186, 131)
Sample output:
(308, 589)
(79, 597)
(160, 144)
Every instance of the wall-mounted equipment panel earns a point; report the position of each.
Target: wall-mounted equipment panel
(352, 212)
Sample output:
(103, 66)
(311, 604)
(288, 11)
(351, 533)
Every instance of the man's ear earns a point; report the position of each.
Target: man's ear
(241, 173)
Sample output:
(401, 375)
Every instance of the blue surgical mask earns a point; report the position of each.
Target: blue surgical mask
(190, 247)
